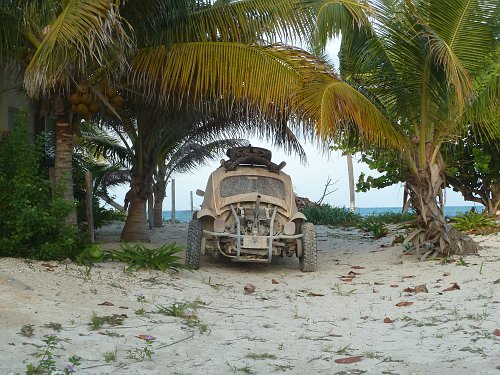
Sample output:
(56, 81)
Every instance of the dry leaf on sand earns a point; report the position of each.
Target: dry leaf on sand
(348, 360)
(249, 288)
(455, 286)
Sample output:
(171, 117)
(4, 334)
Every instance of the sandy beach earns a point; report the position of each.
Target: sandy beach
(360, 313)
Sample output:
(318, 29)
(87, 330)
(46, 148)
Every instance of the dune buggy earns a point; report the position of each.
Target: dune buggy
(249, 214)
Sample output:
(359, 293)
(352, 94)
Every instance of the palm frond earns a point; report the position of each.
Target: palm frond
(248, 21)
(332, 105)
(81, 35)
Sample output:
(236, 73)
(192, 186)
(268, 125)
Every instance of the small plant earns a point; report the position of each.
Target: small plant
(141, 298)
(110, 334)
(343, 349)
(54, 326)
(111, 355)
(337, 289)
(260, 356)
(47, 364)
(202, 327)
(461, 262)
(178, 310)
(244, 369)
(96, 322)
(141, 354)
(27, 330)
(471, 221)
(139, 257)
(375, 226)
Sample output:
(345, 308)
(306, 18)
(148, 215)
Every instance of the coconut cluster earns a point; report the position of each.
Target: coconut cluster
(84, 102)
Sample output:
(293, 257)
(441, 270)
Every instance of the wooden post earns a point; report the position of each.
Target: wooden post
(90, 211)
(191, 199)
(151, 215)
(172, 220)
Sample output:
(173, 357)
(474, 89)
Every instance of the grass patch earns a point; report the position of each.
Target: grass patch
(258, 356)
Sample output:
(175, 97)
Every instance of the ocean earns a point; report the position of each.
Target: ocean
(450, 211)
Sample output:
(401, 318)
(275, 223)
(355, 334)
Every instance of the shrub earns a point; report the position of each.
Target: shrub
(471, 220)
(392, 217)
(327, 215)
(375, 226)
(140, 257)
(32, 218)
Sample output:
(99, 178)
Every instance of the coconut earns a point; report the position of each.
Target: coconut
(110, 92)
(86, 99)
(84, 87)
(75, 98)
(74, 108)
(117, 100)
(93, 107)
(83, 109)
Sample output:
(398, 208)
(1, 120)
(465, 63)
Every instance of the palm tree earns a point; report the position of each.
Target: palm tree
(184, 158)
(417, 62)
(57, 45)
(199, 55)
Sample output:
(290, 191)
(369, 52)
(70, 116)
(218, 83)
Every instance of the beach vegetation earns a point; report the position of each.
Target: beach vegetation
(33, 213)
(427, 80)
(326, 214)
(375, 226)
(110, 356)
(56, 47)
(472, 221)
(138, 257)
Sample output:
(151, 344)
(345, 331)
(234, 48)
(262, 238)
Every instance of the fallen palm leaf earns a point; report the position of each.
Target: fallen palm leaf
(106, 303)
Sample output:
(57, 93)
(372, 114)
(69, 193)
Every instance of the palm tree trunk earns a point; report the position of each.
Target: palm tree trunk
(151, 216)
(159, 193)
(63, 168)
(426, 194)
(136, 227)
(350, 172)
(158, 209)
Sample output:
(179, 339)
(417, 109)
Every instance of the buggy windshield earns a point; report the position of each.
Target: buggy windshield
(269, 186)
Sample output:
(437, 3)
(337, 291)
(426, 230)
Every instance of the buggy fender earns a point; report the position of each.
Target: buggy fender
(204, 212)
(298, 215)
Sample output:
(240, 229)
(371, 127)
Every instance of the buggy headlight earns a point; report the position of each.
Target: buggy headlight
(289, 228)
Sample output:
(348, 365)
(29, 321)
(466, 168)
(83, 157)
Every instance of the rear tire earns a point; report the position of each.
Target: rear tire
(193, 248)
(309, 259)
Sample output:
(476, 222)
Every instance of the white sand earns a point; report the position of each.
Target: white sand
(300, 325)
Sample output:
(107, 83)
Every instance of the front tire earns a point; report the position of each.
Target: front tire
(193, 248)
(309, 259)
